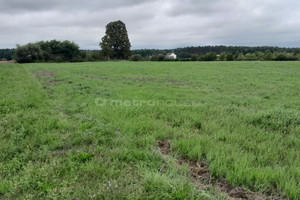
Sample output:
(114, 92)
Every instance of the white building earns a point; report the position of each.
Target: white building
(171, 56)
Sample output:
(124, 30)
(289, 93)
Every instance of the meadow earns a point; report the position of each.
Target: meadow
(92, 130)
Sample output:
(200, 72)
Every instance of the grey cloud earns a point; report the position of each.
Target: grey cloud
(13, 6)
(152, 23)
(198, 7)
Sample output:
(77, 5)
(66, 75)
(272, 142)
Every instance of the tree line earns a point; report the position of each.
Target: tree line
(66, 51)
(220, 53)
(6, 54)
(268, 55)
(115, 45)
(202, 50)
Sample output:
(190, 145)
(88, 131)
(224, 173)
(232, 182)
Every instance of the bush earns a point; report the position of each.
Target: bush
(92, 55)
(194, 57)
(229, 57)
(58, 51)
(268, 56)
(285, 57)
(222, 57)
(160, 57)
(28, 53)
(281, 57)
(136, 57)
(209, 57)
(240, 57)
(184, 55)
(250, 57)
(49, 51)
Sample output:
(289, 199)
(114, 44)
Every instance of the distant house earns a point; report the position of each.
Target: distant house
(171, 56)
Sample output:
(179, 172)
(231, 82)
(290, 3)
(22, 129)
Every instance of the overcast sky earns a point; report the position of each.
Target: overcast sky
(153, 23)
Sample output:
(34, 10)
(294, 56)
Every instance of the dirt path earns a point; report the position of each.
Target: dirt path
(201, 175)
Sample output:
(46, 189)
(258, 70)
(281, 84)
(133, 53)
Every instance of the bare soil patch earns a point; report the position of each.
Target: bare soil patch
(41, 75)
(47, 78)
(164, 147)
(201, 175)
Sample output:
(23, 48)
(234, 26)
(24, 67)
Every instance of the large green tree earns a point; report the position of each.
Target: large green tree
(115, 44)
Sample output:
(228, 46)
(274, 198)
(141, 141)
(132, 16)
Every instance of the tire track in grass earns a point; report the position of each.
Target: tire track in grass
(201, 176)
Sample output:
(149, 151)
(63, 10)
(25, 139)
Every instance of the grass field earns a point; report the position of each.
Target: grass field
(90, 130)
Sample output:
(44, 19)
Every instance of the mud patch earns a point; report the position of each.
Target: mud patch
(201, 175)
(45, 75)
(164, 147)
(47, 78)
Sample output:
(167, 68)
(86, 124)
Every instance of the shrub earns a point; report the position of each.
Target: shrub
(194, 57)
(250, 57)
(222, 57)
(28, 53)
(49, 51)
(160, 57)
(281, 57)
(209, 57)
(268, 56)
(136, 57)
(229, 57)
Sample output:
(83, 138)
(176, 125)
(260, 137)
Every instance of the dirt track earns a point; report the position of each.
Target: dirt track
(201, 175)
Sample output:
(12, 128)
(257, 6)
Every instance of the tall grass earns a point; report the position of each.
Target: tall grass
(57, 142)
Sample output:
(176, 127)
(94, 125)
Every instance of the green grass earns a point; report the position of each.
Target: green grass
(58, 142)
